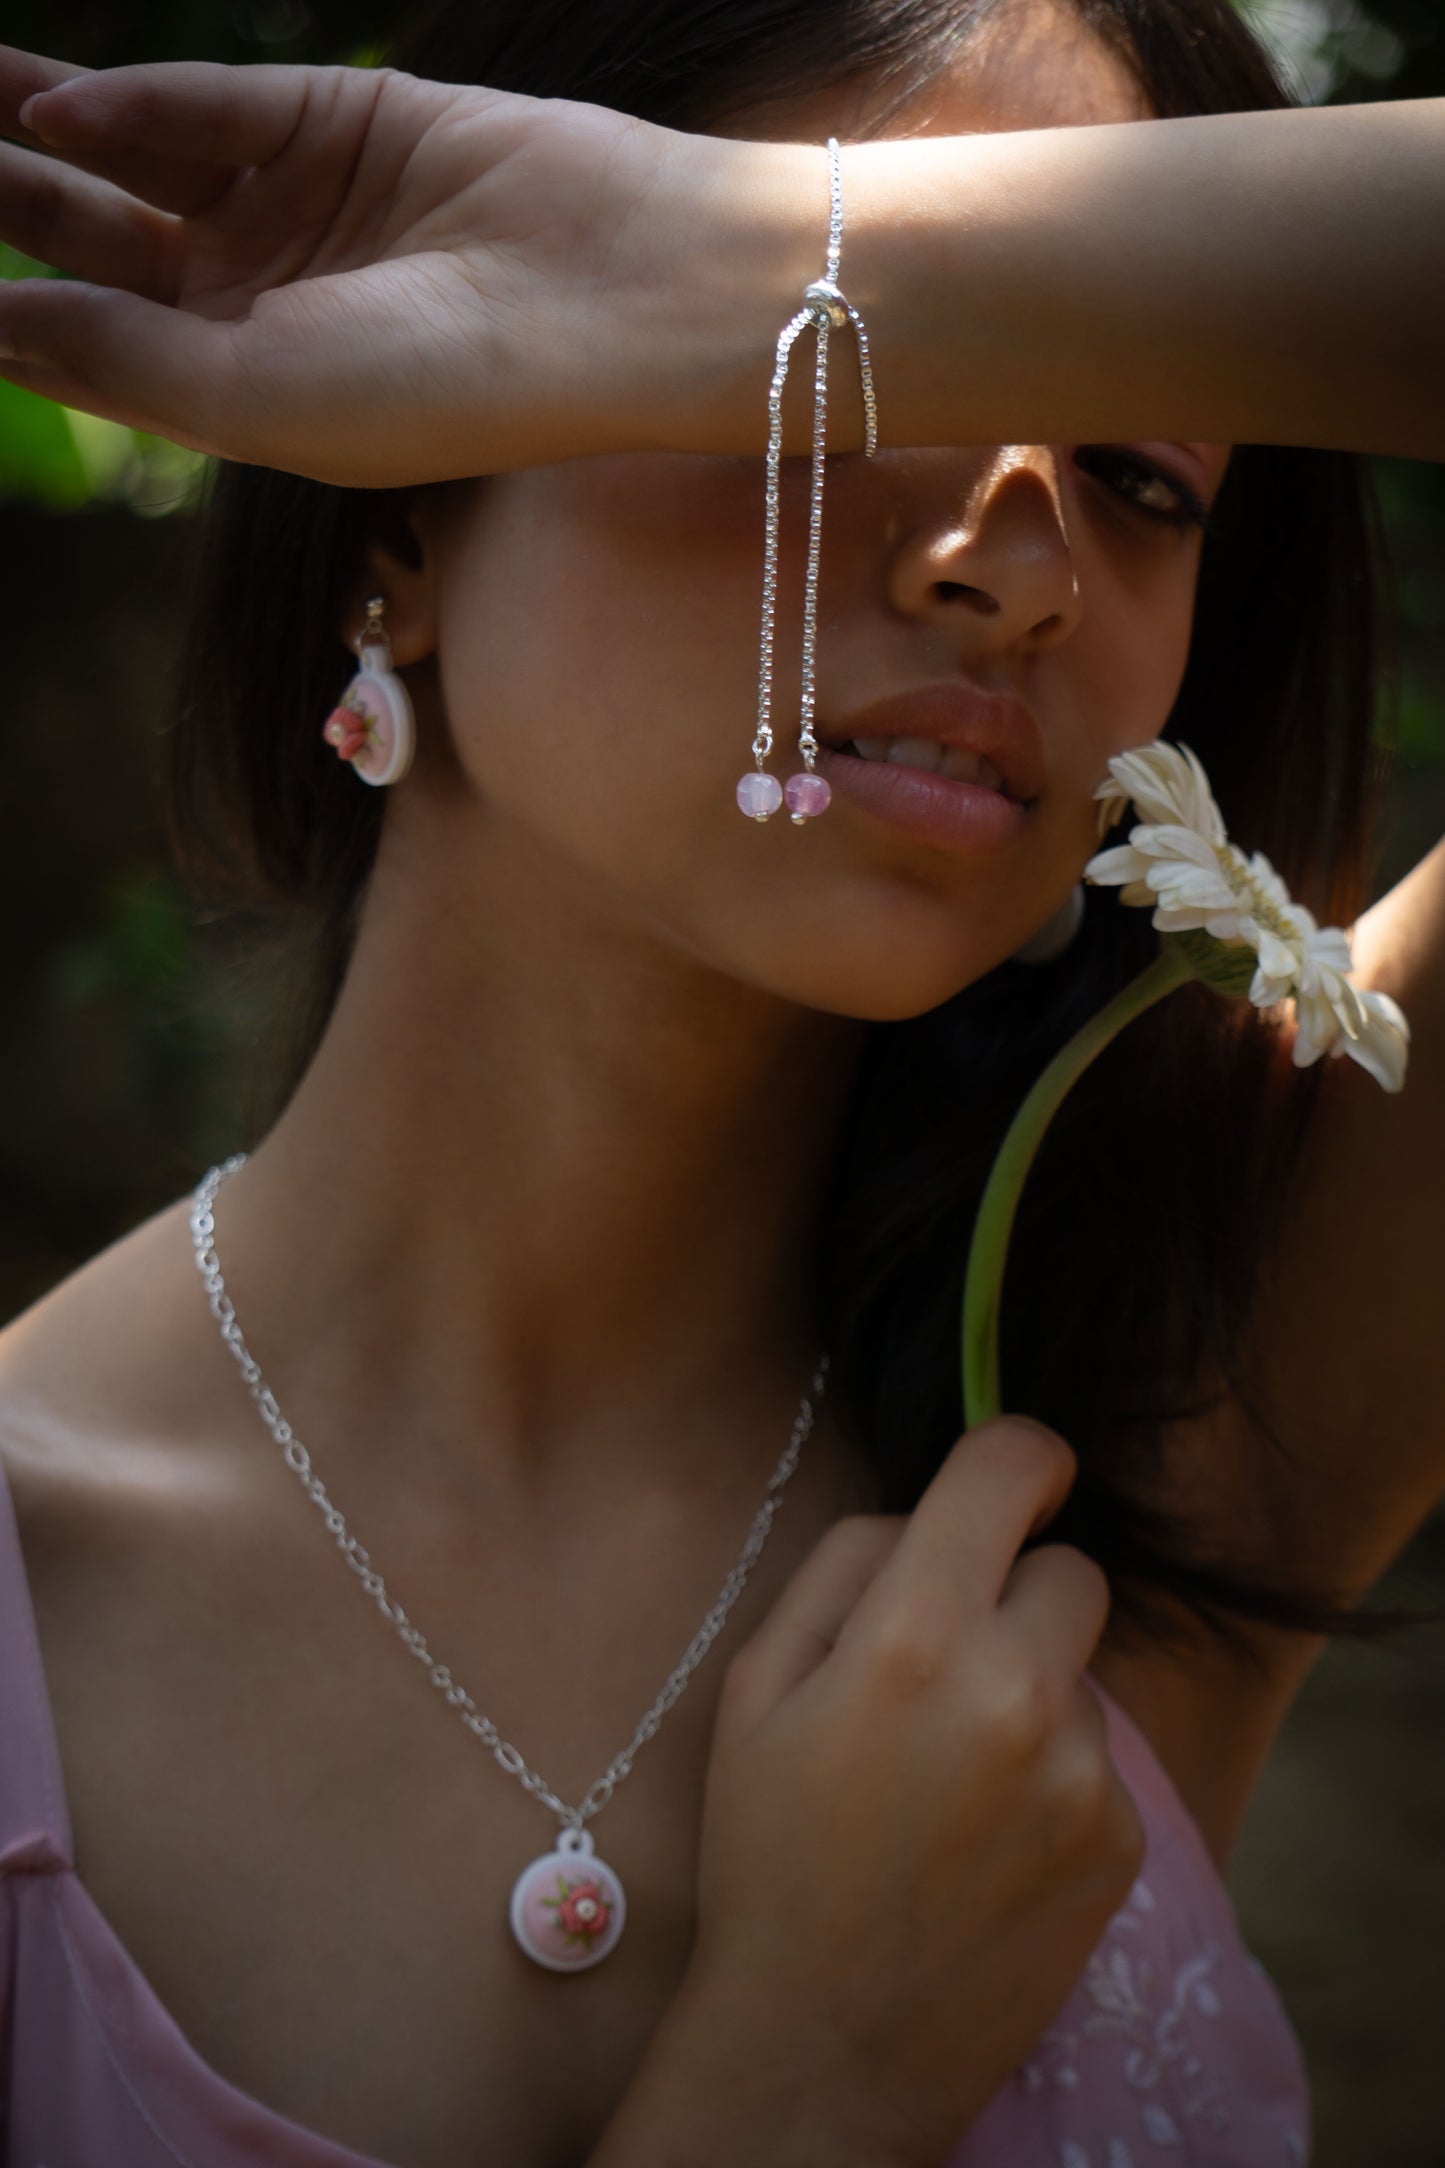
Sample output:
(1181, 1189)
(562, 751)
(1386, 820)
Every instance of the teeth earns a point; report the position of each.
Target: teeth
(961, 766)
(924, 753)
(953, 761)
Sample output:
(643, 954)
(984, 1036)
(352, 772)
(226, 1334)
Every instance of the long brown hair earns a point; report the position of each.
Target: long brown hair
(1162, 1184)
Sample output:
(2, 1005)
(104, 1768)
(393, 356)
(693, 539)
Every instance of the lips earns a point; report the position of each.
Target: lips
(942, 812)
(957, 730)
(931, 757)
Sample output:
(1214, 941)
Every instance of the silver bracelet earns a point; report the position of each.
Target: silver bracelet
(826, 307)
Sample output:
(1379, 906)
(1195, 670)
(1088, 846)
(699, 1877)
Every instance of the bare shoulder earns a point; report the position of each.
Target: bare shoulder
(136, 1534)
(93, 1384)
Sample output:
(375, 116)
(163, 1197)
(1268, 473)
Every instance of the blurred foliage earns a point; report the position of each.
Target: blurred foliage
(1412, 494)
(1339, 52)
(137, 947)
(104, 34)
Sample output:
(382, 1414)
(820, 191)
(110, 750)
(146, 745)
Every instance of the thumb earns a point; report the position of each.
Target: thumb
(339, 378)
(128, 360)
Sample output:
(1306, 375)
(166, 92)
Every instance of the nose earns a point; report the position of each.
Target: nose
(991, 559)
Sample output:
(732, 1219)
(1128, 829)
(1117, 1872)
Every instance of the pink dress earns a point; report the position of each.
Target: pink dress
(1172, 2051)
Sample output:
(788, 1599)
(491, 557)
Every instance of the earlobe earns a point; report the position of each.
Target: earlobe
(398, 563)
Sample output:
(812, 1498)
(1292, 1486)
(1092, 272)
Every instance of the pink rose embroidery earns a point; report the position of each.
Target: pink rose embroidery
(349, 729)
(583, 1910)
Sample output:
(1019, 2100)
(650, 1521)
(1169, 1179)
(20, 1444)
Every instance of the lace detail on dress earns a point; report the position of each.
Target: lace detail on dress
(1153, 2020)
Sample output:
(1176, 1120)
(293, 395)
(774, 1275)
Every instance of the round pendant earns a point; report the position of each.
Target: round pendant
(374, 726)
(568, 1907)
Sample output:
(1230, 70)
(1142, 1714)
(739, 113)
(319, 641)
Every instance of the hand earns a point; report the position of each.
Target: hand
(913, 1834)
(374, 280)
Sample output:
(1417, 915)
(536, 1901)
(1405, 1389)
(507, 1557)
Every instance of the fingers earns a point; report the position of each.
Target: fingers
(27, 75)
(149, 137)
(85, 226)
(186, 109)
(279, 386)
(45, 383)
(1001, 1484)
(21, 76)
(113, 354)
(951, 1560)
(1058, 1600)
(804, 1623)
(171, 184)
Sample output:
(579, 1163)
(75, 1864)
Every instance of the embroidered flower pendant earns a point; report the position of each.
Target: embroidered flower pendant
(374, 726)
(568, 1907)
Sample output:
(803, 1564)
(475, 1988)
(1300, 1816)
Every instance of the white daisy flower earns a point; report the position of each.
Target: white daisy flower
(1174, 789)
(1180, 862)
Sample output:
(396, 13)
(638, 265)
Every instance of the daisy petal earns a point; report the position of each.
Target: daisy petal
(1123, 863)
(1318, 1029)
(1276, 958)
(1383, 1044)
(1232, 915)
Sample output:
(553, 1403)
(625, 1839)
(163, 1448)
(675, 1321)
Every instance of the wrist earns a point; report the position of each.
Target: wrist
(749, 227)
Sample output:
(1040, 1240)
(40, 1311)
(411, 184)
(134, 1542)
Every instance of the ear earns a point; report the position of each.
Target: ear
(398, 564)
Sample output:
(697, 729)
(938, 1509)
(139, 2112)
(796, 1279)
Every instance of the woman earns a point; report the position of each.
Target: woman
(612, 1108)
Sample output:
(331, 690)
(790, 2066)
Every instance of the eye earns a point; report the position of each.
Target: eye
(1143, 485)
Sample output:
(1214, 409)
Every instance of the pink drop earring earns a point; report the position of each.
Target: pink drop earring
(807, 793)
(374, 726)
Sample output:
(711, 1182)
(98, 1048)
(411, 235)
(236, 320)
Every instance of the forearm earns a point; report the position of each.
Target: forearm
(1274, 277)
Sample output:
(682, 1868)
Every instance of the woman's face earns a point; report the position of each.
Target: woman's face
(597, 627)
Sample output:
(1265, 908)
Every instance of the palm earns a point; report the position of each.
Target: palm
(378, 169)
(323, 204)
(370, 248)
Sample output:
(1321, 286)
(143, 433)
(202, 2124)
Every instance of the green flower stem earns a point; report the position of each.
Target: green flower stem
(988, 1252)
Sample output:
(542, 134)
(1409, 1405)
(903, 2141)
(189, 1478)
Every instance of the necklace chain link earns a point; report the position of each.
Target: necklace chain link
(298, 1460)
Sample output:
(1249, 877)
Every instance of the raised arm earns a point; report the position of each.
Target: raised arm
(373, 279)
(1245, 278)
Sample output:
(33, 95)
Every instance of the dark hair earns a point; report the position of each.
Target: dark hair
(1162, 1184)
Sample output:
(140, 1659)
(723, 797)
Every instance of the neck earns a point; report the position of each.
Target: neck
(548, 1197)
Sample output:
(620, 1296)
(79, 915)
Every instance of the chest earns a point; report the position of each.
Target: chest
(310, 1860)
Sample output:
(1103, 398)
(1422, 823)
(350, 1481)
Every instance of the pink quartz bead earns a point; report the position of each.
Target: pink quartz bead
(759, 794)
(807, 795)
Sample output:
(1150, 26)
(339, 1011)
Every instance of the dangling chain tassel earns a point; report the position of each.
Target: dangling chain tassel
(827, 308)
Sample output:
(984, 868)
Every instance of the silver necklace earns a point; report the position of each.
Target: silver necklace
(568, 1907)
